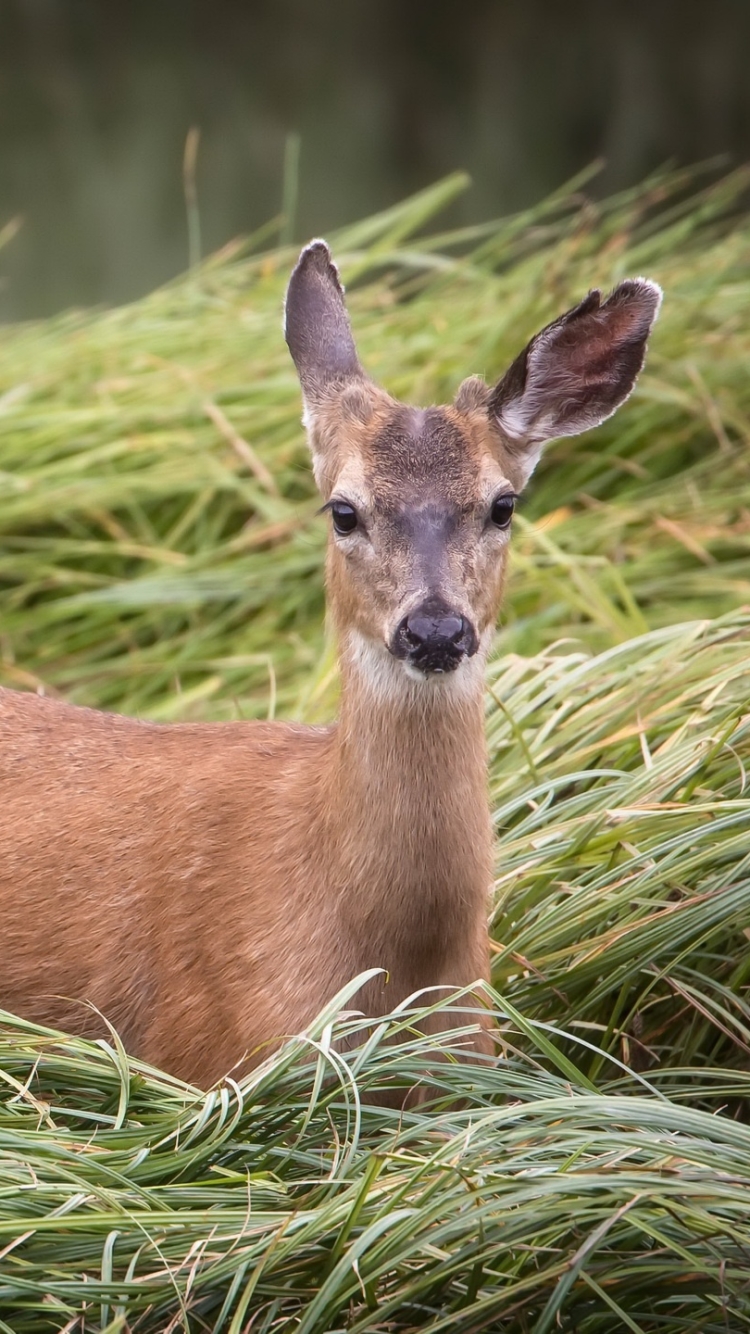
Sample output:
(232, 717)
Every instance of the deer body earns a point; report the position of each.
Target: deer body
(209, 887)
(215, 884)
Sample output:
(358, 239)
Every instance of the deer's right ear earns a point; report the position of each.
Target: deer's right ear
(316, 325)
(577, 371)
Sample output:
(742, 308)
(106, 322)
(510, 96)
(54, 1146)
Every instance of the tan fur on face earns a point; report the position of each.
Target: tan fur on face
(397, 466)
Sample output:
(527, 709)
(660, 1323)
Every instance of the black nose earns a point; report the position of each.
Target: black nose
(434, 638)
(422, 629)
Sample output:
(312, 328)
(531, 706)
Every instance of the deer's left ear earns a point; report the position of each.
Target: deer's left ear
(316, 325)
(577, 371)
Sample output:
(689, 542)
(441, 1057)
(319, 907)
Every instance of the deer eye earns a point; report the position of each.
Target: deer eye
(344, 517)
(502, 510)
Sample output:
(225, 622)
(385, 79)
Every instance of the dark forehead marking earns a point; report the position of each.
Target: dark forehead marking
(422, 447)
(428, 530)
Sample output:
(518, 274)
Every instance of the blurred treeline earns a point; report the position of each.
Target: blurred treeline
(387, 95)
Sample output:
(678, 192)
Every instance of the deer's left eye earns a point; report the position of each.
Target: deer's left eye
(502, 511)
(344, 517)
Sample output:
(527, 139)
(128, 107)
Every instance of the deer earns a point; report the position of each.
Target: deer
(207, 888)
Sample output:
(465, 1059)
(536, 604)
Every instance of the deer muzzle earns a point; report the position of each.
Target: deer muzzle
(434, 638)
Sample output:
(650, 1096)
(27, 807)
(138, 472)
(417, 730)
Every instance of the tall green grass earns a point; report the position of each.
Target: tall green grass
(160, 554)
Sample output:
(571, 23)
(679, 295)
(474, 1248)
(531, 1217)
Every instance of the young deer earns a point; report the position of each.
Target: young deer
(210, 887)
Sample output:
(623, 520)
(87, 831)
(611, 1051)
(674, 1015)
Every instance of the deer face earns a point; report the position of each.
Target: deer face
(420, 509)
(421, 500)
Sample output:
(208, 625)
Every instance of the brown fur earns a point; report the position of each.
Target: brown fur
(208, 888)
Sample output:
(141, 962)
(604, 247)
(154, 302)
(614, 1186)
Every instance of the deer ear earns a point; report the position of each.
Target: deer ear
(316, 325)
(577, 371)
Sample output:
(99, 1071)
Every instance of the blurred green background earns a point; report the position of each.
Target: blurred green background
(96, 100)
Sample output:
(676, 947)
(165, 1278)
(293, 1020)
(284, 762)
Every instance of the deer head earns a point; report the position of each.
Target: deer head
(421, 500)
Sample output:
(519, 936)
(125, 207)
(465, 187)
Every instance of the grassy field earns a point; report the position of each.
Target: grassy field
(161, 555)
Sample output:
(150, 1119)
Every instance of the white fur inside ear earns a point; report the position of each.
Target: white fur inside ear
(515, 419)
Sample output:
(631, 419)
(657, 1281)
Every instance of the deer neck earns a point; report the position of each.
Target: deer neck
(412, 822)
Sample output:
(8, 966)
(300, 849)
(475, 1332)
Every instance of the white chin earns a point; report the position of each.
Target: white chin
(416, 673)
(396, 679)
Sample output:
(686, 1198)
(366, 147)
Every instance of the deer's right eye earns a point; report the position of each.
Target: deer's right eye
(502, 510)
(344, 517)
